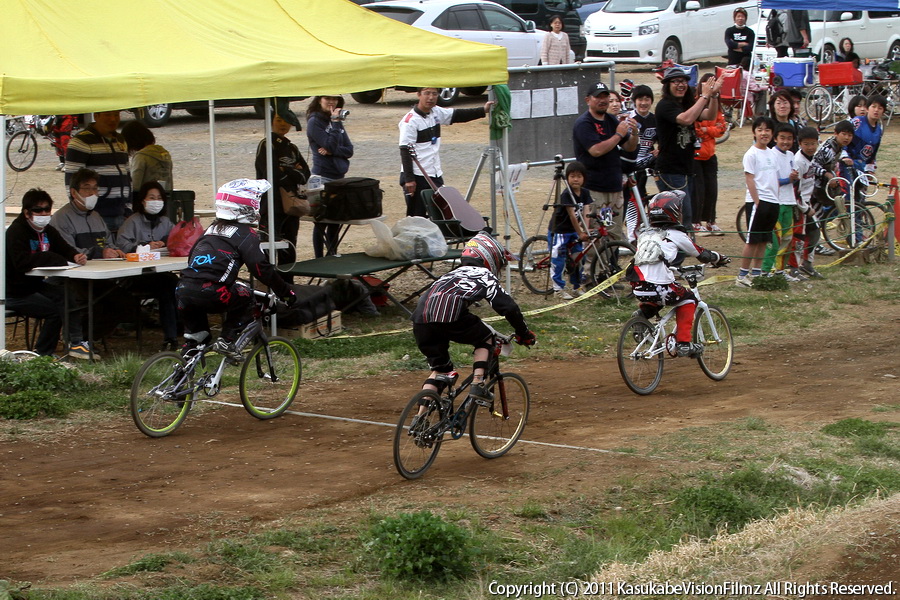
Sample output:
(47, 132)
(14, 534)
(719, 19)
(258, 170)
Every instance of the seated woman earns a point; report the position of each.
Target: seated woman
(149, 226)
(845, 48)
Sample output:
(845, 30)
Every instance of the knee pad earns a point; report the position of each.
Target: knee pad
(480, 364)
(440, 385)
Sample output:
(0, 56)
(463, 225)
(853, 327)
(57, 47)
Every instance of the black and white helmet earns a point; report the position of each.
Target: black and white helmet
(238, 200)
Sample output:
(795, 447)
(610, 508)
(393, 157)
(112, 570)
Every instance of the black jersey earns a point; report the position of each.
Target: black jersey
(217, 258)
(450, 297)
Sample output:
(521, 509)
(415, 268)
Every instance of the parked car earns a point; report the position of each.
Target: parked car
(541, 11)
(157, 115)
(875, 34)
(473, 20)
(651, 31)
(589, 7)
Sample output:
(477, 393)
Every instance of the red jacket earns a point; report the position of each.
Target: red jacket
(714, 129)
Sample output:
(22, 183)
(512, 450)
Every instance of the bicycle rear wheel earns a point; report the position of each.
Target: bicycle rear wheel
(641, 372)
(843, 236)
(740, 223)
(605, 263)
(818, 104)
(417, 439)
(711, 329)
(158, 405)
(270, 378)
(21, 151)
(534, 265)
(494, 429)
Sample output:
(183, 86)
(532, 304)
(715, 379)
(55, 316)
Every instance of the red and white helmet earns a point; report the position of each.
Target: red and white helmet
(238, 200)
(488, 251)
(665, 208)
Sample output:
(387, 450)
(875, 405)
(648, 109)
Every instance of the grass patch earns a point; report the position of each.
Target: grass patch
(149, 563)
(856, 428)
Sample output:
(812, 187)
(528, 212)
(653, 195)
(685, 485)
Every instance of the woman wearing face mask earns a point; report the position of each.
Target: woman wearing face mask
(149, 226)
(31, 242)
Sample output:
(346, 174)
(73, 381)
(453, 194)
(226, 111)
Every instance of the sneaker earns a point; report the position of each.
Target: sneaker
(577, 292)
(82, 350)
(690, 349)
(61, 166)
(478, 392)
(699, 228)
(825, 250)
(744, 280)
(715, 229)
(798, 274)
(223, 346)
(811, 272)
(789, 277)
(563, 295)
(169, 345)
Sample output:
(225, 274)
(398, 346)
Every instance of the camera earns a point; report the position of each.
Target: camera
(558, 158)
(343, 114)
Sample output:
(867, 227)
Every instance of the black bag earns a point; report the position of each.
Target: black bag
(313, 302)
(350, 198)
(774, 30)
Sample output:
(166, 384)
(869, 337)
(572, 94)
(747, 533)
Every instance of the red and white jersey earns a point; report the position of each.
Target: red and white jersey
(673, 241)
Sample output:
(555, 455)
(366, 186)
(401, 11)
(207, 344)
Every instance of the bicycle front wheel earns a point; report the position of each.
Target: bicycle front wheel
(494, 429)
(842, 235)
(534, 265)
(21, 151)
(712, 331)
(818, 104)
(641, 369)
(159, 403)
(605, 263)
(418, 438)
(270, 378)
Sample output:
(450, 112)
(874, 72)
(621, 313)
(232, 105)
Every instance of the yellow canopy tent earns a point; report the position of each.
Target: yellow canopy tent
(81, 56)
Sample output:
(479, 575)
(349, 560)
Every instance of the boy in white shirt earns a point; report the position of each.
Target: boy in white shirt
(787, 201)
(806, 231)
(761, 177)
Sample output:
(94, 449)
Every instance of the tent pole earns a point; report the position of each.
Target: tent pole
(212, 146)
(270, 195)
(3, 235)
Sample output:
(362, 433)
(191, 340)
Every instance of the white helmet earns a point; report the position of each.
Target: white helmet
(238, 200)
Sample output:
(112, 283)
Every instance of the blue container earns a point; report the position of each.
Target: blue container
(793, 72)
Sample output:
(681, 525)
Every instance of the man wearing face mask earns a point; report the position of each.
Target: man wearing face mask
(102, 149)
(80, 225)
(31, 242)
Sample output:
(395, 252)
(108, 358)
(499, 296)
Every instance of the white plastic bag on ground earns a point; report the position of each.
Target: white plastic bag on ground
(417, 237)
(383, 246)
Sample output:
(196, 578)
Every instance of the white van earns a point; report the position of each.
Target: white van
(875, 34)
(651, 31)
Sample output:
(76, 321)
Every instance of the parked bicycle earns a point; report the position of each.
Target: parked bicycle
(22, 146)
(643, 345)
(167, 384)
(494, 425)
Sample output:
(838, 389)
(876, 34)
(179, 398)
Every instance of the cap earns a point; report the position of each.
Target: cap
(598, 89)
(675, 73)
(281, 108)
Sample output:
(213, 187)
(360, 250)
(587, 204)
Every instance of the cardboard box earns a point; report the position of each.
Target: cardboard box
(322, 327)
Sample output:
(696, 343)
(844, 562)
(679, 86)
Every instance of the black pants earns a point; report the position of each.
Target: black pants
(47, 303)
(195, 304)
(415, 206)
(706, 189)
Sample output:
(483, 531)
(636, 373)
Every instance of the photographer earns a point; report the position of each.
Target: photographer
(331, 149)
(291, 172)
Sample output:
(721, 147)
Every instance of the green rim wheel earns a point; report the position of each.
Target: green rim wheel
(270, 378)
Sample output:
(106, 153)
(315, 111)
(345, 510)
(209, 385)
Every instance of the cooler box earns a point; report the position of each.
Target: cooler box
(793, 72)
(693, 72)
(841, 73)
(732, 83)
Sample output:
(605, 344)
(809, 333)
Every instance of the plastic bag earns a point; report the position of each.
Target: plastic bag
(183, 237)
(417, 237)
(384, 246)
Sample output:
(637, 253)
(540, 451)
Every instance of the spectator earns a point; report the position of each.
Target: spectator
(781, 110)
(149, 160)
(776, 252)
(867, 133)
(567, 227)
(676, 114)
(555, 49)
(31, 242)
(642, 96)
(806, 231)
(63, 125)
(795, 26)
(845, 47)
(150, 226)
(421, 128)
(761, 175)
(331, 150)
(706, 169)
(102, 149)
(858, 106)
(796, 99)
(596, 136)
(739, 39)
(291, 172)
(831, 161)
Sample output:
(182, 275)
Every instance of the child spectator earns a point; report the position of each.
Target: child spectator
(442, 314)
(867, 133)
(653, 282)
(761, 176)
(828, 162)
(567, 232)
(806, 230)
(642, 96)
(857, 106)
(706, 171)
(787, 201)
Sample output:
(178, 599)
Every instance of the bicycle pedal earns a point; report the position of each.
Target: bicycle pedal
(482, 402)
